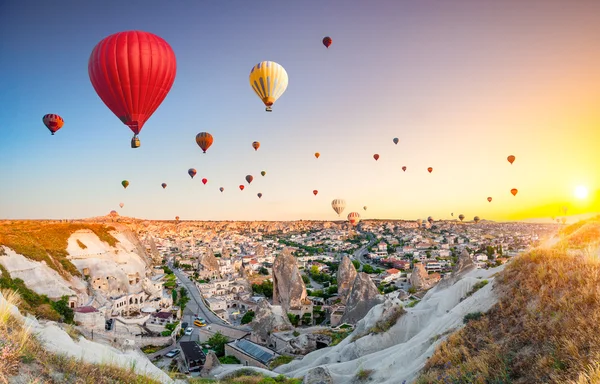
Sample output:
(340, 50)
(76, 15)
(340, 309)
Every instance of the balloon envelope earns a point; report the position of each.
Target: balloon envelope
(204, 141)
(514, 191)
(204, 181)
(256, 145)
(263, 173)
(132, 72)
(404, 168)
(396, 140)
(327, 41)
(510, 159)
(430, 169)
(249, 178)
(259, 195)
(192, 172)
(461, 217)
(376, 157)
(489, 199)
(125, 183)
(338, 205)
(221, 189)
(317, 155)
(241, 187)
(354, 218)
(53, 122)
(164, 185)
(121, 205)
(268, 80)
(365, 207)
(315, 192)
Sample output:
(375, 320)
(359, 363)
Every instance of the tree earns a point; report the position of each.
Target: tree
(62, 307)
(294, 319)
(248, 317)
(305, 279)
(263, 271)
(356, 264)
(217, 343)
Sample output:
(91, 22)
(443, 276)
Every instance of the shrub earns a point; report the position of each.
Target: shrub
(472, 316)
(280, 360)
(81, 245)
(364, 374)
(229, 360)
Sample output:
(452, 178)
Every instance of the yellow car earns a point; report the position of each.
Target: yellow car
(199, 324)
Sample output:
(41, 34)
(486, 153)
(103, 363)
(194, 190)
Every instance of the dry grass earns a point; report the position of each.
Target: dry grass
(47, 241)
(590, 376)
(545, 327)
(387, 321)
(22, 356)
(581, 234)
(247, 376)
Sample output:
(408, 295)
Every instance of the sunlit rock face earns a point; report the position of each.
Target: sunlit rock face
(363, 296)
(346, 275)
(289, 290)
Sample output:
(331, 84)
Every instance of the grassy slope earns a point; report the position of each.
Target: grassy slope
(23, 357)
(47, 241)
(544, 329)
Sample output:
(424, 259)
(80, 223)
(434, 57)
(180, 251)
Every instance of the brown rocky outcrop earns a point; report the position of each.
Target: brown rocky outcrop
(363, 296)
(346, 275)
(208, 261)
(464, 265)
(212, 361)
(289, 290)
(268, 319)
(419, 278)
(318, 375)
(259, 250)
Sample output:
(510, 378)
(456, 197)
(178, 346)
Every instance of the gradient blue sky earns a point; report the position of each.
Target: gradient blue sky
(462, 84)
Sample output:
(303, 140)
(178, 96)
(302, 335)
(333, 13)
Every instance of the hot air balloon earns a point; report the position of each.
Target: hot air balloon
(404, 168)
(164, 185)
(241, 187)
(221, 189)
(177, 218)
(259, 195)
(430, 220)
(249, 178)
(564, 220)
(452, 214)
(365, 208)
(132, 72)
(263, 173)
(476, 219)
(121, 205)
(327, 41)
(376, 157)
(396, 140)
(269, 80)
(354, 218)
(204, 141)
(429, 169)
(419, 222)
(461, 217)
(489, 199)
(204, 181)
(510, 159)
(317, 155)
(338, 206)
(315, 192)
(114, 213)
(514, 191)
(53, 122)
(192, 172)
(125, 183)
(256, 145)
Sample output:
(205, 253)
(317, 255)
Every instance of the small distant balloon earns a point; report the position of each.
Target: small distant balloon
(121, 205)
(429, 169)
(192, 172)
(204, 181)
(461, 217)
(404, 168)
(338, 205)
(510, 159)
(476, 219)
(489, 199)
(365, 207)
(315, 192)
(354, 218)
(204, 141)
(514, 191)
(53, 122)
(396, 140)
(259, 195)
(317, 155)
(164, 185)
(263, 173)
(376, 157)
(256, 145)
(177, 218)
(241, 187)
(249, 178)
(327, 41)
(125, 183)
(221, 189)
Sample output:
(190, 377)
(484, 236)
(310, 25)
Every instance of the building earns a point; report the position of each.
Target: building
(250, 354)
(192, 355)
(90, 317)
(209, 331)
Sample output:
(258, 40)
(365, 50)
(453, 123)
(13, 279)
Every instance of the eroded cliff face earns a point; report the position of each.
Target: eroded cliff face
(363, 296)
(346, 275)
(208, 260)
(419, 278)
(289, 290)
(268, 319)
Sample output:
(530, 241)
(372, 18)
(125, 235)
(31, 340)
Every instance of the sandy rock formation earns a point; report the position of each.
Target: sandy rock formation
(212, 362)
(419, 278)
(465, 264)
(154, 254)
(208, 260)
(289, 290)
(363, 296)
(268, 319)
(319, 375)
(346, 275)
(259, 250)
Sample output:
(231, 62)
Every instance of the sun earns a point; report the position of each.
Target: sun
(581, 192)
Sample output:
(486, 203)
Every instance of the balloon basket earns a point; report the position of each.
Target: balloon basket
(135, 142)
(269, 109)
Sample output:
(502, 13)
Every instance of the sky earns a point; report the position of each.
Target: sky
(461, 84)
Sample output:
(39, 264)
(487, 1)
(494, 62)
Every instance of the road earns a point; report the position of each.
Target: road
(361, 252)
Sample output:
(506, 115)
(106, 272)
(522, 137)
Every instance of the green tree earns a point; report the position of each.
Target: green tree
(217, 343)
(294, 319)
(62, 307)
(305, 279)
(356, 264)
(248, 317)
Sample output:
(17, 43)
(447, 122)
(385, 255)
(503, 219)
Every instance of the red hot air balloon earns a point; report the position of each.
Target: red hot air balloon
(376, 157)
(204, 181)
(249, 178)
(327, 41)
(404, 168)
(132, 72)
(53, 122)
(164, 185)
(514, 191)
(510, 159)
(315, 192)
(241, 187)
(430, 169)
(489, 199)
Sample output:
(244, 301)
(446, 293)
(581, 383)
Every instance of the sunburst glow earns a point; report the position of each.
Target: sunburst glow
(581, 192)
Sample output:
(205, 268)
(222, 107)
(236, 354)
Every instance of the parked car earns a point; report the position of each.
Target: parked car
(189, 331)
(184, 325)
(172, 353)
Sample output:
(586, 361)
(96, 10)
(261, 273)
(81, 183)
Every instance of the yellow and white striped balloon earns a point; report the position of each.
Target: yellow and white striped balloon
(269, 80)
(338, 205)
